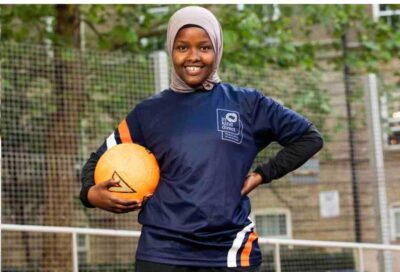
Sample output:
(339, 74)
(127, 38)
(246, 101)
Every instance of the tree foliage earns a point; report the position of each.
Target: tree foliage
(376, 42)
(255, 35)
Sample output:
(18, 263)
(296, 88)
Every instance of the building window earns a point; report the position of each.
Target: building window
(390, 14)
(390, 110)
(395, 221)
(390, 102)
(307, 173)
(273, 223)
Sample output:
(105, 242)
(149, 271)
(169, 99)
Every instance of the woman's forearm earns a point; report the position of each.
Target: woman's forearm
(291, 156)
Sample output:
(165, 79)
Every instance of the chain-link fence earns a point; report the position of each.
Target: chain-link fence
(58, 105)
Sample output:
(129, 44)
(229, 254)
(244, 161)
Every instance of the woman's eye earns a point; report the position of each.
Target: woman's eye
(182, 48)
(205, 48)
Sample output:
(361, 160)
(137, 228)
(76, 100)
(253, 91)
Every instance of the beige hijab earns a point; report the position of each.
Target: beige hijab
(194, 15)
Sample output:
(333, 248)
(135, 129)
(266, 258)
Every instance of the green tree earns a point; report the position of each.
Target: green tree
(254, 35)
(60, 115)
(67, 93)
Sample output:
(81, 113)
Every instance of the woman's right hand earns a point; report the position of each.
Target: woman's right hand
(100, 197)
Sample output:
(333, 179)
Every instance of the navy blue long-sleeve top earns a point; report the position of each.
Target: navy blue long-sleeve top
(205, 143)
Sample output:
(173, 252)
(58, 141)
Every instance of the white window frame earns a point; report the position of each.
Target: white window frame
(377, 12)
(394, 209)
(275, 211)
(387, 121)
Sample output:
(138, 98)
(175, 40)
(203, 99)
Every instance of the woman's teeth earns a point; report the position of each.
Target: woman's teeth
(192, 68)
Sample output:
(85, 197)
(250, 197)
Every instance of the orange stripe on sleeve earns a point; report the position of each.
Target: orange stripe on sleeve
(124, 133)
(245, 256)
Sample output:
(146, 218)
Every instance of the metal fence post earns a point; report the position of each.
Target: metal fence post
(161, 71)
(377, 161)
(75, 260)
(361, 259)
(277, 258)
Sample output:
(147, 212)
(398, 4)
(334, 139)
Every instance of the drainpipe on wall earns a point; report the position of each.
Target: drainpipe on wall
(350, 125)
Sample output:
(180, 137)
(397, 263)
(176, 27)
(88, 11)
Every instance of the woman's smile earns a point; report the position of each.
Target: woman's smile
(193, 70)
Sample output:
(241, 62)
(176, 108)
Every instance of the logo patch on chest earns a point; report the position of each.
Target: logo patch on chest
(230, 125)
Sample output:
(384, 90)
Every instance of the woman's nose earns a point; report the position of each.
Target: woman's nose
(193, 55)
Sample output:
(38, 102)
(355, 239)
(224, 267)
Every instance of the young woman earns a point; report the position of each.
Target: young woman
(205, 135)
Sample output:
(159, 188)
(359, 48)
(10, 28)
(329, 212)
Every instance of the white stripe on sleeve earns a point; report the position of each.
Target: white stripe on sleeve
(111, 141)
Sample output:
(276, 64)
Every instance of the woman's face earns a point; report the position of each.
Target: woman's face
(193, 55)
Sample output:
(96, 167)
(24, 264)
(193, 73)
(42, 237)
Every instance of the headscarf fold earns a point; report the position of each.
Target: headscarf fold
(194, 15)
